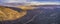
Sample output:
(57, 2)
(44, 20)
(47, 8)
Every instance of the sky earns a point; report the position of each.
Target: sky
(46, 0)
(29, 0)
(32, 1)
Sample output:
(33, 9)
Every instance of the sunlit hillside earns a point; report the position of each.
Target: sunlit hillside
(6, 13)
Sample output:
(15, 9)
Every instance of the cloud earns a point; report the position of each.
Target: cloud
(29, 1)
(44, 3)
(18, 1)
(14, 1)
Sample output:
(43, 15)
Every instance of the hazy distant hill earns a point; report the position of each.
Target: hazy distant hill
(11, 4)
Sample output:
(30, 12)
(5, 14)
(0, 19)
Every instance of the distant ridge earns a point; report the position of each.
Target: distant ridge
(29, 4)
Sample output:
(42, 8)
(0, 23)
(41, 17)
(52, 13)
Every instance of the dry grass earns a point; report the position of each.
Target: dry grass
(9, 14)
